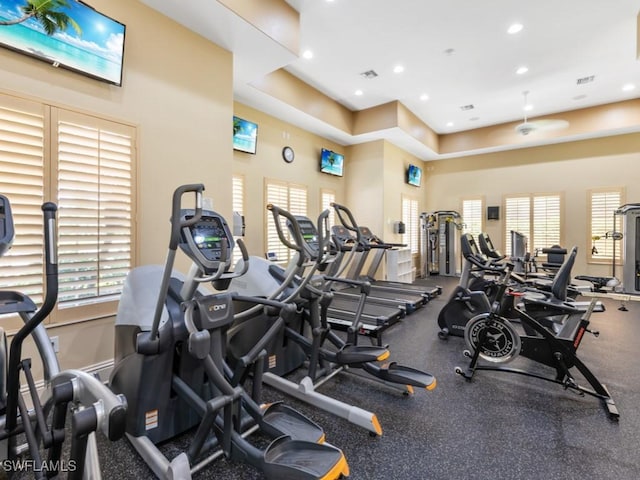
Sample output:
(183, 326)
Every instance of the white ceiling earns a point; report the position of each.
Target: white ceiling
(458, 52)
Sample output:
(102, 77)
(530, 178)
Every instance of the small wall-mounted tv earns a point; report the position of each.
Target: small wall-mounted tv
(245, 135)
(414, 175)
(331, 162)
(65, 33)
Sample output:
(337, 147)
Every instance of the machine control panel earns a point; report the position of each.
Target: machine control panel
(208, 241)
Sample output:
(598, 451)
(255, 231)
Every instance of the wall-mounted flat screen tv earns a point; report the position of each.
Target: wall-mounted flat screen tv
(245, 135)
(331, 162)
(414, 175)
(67, 34)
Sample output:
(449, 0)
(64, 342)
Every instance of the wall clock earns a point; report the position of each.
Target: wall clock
(288, 154)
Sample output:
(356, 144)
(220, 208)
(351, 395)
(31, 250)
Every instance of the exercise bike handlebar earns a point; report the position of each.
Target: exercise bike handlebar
(51, 297)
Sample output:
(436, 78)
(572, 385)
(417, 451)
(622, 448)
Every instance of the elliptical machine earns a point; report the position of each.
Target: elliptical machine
(171, 339)
(92, 405)
(326, 353)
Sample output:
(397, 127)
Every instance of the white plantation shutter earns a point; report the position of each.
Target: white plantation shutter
(472, 216)
(278, 195)
(602, 221)
(298, 200)
(537, 217)
(22, 149)
(238, 206)
(290, 197)
(85, 166)
(546, 221)
(327, 197)
(517, 213)
(95, 208)
(411, 219)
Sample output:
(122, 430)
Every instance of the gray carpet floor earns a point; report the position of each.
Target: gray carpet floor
(496, 426)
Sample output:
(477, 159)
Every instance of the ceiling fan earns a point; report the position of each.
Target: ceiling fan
(544, 124)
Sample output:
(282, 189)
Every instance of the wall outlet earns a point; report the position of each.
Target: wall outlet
(55, 344)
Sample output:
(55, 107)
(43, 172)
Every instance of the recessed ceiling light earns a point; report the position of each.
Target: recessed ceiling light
(515, 28)
(449, 124)
(628, 87)
(424, 97)
(528, 107)
(398, 69)
(358, 92)
(308, 54)
(522, 70)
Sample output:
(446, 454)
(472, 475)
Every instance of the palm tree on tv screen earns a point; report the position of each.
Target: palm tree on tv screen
(48, 13)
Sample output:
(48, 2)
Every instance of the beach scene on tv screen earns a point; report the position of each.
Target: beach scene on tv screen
(245, 134)
(414, 175)
(331, 162)
(90, 42)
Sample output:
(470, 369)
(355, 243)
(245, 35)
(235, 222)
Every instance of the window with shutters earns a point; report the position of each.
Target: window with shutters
(327, 197)
(537, 217)
(85, 165)
(238, 206)
(411, 220)
(603, 223)
(472, 216)
(290, 197)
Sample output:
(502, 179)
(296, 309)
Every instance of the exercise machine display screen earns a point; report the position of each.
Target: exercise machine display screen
(208, 233)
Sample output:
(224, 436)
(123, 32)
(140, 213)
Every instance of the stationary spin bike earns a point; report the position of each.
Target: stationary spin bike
(493, 340)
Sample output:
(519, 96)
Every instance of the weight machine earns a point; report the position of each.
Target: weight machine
(440, 243)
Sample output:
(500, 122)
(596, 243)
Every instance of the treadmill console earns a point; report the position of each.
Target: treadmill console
(342, 237)
(208, 241)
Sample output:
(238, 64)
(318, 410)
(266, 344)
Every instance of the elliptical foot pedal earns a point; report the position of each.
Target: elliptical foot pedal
(285, 458)
(353, 354)
(290, 422)
(401, 374)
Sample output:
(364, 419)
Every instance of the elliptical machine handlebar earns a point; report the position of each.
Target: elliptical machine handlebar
(150, 343)
(51, 297)
(176, 223)
(295, 230)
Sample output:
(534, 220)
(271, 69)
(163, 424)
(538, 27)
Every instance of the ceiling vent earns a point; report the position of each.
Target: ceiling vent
(464, 108)
(584, 80)
(369, 74)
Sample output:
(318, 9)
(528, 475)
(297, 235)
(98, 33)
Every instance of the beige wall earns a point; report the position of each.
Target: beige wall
(569, 168)
(177, 89)
(273, 135)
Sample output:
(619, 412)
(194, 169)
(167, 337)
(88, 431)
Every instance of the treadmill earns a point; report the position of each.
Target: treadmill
(375, 243)
(377, 314)
(410, 300)
(415, 295)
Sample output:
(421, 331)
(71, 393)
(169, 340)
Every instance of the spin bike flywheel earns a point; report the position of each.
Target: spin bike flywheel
(496, 337)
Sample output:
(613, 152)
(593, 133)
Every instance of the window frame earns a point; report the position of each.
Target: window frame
(94, 307)
(531, 232)
(619, 251)
(412, 223)
(465, 228)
